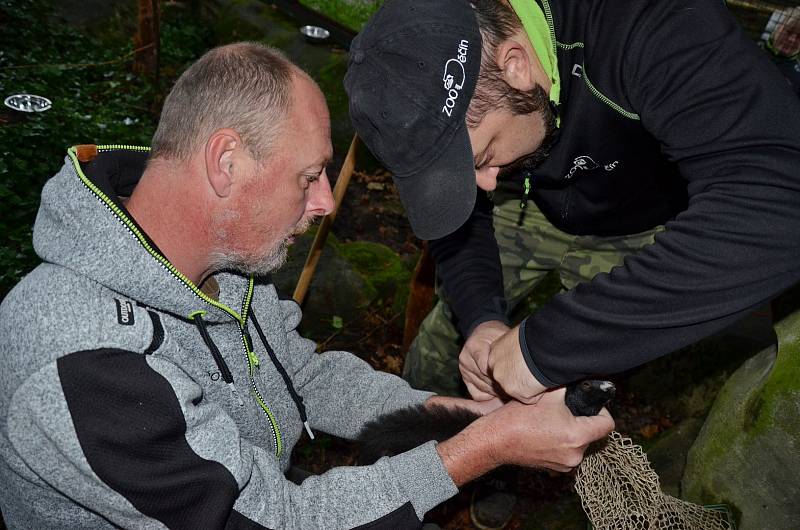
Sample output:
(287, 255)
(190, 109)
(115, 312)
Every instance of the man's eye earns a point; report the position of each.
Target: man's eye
(310, 179)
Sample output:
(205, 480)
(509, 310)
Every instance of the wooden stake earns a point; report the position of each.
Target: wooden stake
(322, 233)
(421, 293)
(756, 5)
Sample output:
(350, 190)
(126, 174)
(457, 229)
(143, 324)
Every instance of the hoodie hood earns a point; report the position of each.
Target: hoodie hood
(83, 225)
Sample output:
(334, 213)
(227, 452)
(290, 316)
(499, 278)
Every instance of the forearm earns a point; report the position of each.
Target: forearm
(735, 248)
(467, 455)
(342, 392)
(468, 266)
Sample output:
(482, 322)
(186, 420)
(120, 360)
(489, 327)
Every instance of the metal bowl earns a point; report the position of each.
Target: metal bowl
(315, 33)
(28, 103)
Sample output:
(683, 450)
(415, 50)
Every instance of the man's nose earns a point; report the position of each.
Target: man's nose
(320, 202)
(486, 177)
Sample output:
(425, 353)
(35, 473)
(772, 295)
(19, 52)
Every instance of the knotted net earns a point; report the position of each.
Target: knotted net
(620, 491)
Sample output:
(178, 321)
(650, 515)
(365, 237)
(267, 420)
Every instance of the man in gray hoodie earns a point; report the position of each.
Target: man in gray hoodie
(151, 377)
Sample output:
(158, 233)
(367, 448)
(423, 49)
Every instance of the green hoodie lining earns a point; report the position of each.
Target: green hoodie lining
(539, 27)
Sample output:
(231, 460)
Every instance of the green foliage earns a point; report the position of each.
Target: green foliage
(351, 13)
(96, 99)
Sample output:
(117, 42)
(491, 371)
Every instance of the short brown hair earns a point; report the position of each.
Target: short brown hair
(245, 86)
(498, 22)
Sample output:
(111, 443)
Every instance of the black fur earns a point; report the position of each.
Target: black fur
(587, 397)
(403, 430)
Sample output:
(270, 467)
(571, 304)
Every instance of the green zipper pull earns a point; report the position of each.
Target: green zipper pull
(248, 344)
(523, 204)
(253, 358)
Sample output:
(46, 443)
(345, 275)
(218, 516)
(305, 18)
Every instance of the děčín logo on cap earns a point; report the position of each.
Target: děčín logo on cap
(454, 77)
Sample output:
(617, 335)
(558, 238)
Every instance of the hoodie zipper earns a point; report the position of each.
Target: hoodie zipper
(133, 230)
(252, 364)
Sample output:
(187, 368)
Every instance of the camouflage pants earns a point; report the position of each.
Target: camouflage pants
(527, 253)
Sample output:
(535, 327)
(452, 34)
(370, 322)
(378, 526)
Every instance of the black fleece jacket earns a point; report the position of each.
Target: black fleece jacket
(669, 114)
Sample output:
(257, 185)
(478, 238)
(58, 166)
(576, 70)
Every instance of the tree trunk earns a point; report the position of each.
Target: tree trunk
(146, 41)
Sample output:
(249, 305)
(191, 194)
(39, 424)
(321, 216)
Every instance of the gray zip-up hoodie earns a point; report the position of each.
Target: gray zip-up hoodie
(129, 398)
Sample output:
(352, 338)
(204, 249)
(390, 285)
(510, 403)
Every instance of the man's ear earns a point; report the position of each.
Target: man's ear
(219, 158)
(515, 63)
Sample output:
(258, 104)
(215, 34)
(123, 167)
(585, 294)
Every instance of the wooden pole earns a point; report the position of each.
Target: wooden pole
(756, 5)
(322, 233)
(420, 295)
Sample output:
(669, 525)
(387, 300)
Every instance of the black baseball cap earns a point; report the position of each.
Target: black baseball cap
(411, 75)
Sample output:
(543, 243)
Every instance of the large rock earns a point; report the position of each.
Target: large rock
(337, 289)
(348, 279)
(748, 453)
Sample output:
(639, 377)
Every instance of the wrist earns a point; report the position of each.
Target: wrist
(469, 454)
(489, 321)
(493, 328)
(527, 356)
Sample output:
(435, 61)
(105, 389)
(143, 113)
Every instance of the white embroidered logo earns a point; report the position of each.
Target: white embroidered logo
(586, 163)
(454, 77)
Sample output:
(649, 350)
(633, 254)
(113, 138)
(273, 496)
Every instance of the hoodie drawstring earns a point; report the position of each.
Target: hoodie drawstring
(227, 376)
(297, 398)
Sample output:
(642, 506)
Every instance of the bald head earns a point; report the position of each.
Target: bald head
(243, 86)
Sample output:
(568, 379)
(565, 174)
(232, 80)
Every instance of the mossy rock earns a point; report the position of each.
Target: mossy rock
(667, 454)
(348, 279)
(337, 289)
(748, 453)
(381, 268)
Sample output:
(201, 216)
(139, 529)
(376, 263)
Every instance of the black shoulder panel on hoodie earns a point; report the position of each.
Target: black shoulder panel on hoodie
(133, 434)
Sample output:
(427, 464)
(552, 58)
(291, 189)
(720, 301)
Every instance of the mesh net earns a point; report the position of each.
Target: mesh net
(760, 18)
(620, 491)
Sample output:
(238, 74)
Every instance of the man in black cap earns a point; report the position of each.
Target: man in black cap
(661, 122)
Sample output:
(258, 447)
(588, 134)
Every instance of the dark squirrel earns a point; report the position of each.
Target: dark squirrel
(400, 431)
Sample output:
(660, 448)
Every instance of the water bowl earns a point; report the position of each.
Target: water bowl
(28, 103)
(315, 33)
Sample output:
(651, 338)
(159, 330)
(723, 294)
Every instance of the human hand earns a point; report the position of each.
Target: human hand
(510, 371)
(478, 407)
(785, 39)
(473, 361)
(545, 434)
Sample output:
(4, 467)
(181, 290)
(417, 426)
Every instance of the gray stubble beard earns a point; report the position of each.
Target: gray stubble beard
(228, 259)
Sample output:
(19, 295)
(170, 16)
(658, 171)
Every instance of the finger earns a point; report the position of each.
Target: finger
(478, 384)
(466, 363)
(479, 395)
(555, 466)
(531, 400)
(599, 426)
(524, 396)
(475, 359)
(485, 407)
(471, 375)
(480, 356)
(604, 412)
(556, 394)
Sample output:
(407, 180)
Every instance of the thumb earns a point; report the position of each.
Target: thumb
(597, 427)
